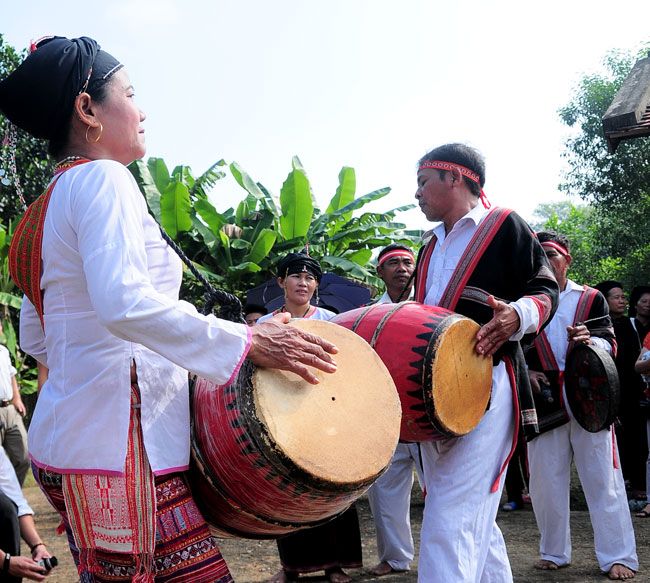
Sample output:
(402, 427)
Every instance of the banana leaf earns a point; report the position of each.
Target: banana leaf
(175, 207)
(296, 204)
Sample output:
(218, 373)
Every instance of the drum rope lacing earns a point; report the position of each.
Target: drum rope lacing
(230, 307)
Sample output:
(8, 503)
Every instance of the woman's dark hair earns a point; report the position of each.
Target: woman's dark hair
(57, 145)
(553, 237)
(635, 296)
(465, 156)
(604, 287)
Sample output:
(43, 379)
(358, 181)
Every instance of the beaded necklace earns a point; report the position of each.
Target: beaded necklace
(66, 163)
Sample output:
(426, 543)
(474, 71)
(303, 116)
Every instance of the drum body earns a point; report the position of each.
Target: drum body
(592, 387)
(272, 454)
(444, 385)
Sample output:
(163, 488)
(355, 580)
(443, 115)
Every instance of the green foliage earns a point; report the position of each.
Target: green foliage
(584, 225)
(616, 186)
(33, 166)
(10, 304)
(237, 249)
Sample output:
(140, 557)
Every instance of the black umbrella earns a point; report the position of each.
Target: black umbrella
(334, 293)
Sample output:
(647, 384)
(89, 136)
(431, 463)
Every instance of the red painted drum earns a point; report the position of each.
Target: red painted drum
(272, 454)
(443, 384)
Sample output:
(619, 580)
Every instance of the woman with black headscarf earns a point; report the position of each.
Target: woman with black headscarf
(337, 544)
(109, 438)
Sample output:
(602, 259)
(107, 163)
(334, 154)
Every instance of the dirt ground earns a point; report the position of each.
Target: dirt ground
(255, 561)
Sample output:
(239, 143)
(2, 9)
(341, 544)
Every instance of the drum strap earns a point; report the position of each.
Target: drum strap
(483, 236)
(583, 308)
(517, 413)
(542, 344)
(549, 362)
(26, 247)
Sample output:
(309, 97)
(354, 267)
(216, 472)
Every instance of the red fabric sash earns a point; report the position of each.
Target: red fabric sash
(26, 244)
(485, 233)
(542, 344)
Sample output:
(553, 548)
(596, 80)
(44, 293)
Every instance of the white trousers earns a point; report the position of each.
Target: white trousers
(390, 502)
(549, 459)
(460, 539)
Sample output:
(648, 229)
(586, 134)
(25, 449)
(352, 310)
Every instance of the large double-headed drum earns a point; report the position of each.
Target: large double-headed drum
(272, 453)
(443, 384)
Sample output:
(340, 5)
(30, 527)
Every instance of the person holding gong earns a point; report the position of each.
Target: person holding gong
(582, 317)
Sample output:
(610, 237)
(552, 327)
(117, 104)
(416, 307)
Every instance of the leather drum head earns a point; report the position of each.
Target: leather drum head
(461, 379)
(343, 430)
(592, 387)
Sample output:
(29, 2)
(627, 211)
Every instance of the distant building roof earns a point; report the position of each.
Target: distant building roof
(629, 114)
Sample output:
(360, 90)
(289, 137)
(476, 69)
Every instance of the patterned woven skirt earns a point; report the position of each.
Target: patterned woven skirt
(184, 548)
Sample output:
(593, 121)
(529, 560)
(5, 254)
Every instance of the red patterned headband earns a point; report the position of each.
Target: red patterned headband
(449, 166)
(395, 253)
(561, 249)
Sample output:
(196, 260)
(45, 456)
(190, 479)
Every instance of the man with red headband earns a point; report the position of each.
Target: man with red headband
(487, 265)
(563, 439)
(390, 495)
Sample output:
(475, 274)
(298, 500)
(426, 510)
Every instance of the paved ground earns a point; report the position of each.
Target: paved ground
(256, 561)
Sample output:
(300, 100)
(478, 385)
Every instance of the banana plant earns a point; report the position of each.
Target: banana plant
(238, 248)
(10, 303)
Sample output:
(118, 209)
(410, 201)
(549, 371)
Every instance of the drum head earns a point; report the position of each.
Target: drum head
(461, 379)
(343, 430)
(592, 387)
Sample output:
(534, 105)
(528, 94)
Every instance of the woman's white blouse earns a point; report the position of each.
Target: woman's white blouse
(319, 314)
(111, 297)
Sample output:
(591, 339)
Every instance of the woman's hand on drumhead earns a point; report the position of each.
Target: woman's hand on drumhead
(499, 329)
(276, 345)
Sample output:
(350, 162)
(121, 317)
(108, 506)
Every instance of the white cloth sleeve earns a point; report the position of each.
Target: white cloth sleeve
(108, 220)
(9, 485)
(528, 317)
(32, 339)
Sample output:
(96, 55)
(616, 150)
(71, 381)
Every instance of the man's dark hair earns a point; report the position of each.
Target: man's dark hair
(392, 247)
(553, 237)
(463, 155)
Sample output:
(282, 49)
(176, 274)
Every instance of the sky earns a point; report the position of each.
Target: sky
(372, 84)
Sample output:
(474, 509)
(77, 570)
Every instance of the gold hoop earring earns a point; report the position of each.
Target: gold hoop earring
(101, 130)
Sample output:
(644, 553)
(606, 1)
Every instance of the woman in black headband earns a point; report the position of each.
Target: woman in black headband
(337, 544)
(110, 434)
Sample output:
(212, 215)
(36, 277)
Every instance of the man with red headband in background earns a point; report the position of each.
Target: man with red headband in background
(582, 317)
(487, 265)
(390, 495)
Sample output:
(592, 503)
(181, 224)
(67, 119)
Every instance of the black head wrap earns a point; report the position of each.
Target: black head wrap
(604, 287)
(298, 263)
(254, 308)
(39, 95)
(635, 296)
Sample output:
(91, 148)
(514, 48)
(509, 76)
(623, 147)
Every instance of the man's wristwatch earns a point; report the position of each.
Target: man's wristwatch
(5, 564)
